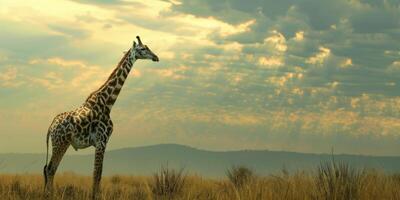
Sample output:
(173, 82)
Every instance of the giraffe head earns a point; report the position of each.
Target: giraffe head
(141, 51)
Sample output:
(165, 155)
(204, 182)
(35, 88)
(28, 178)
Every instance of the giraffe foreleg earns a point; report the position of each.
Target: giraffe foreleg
(98, 168)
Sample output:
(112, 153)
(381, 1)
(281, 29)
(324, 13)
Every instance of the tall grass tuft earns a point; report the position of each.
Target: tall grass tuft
(17, 189)
(116, 179)
(240, 176)
(69, 191)
(338, 181)
(168, 183)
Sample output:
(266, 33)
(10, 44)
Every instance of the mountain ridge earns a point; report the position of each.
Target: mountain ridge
(146, 160)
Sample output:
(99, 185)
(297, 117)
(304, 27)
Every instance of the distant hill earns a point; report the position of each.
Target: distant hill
(147, 160)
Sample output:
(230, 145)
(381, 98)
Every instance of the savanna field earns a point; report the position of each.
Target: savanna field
(327, 181)
(255, 100)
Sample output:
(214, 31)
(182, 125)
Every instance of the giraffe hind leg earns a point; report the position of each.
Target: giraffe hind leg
(50, 169)
(98, 168)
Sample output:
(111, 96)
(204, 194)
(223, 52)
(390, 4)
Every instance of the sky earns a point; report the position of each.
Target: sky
(292, 75)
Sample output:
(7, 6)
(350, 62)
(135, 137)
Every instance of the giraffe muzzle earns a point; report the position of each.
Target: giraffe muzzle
(155, 59)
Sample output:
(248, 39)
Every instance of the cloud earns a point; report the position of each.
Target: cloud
(59, 62)
(84, 78)
(50, 81)
(394, 67)
(320, 57)
(69, 31)
(270, 62)
(173, 73)
(347, 63)
(18, 39)
(8, 77)
(278, 40)
(375, 18)
(273, 74)
(299, 36)
(110, 3)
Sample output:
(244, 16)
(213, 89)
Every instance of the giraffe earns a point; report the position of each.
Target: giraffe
(90, 124)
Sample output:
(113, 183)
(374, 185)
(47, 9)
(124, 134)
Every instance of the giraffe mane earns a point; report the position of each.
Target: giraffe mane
(113, 72)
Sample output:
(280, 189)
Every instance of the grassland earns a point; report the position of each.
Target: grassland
(328, 181)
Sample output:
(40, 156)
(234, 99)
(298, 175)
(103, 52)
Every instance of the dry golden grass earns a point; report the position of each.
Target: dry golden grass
(329, 181)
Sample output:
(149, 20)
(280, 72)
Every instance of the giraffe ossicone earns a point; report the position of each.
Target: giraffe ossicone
(90, 124)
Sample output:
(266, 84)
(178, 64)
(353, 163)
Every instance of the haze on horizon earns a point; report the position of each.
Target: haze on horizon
(293, 75)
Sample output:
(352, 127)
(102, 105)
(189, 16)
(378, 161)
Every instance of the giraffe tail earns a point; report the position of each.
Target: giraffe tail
(47, 146)
(47, 157)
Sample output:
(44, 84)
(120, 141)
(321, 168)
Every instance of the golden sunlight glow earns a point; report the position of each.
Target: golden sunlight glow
(270, 62)
(223, 69)
(299, 36)
(347, 63)
(278, 40)
(320, 57)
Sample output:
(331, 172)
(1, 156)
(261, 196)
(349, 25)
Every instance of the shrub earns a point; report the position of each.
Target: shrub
(168, 183)
(239, 175)
(338, 181)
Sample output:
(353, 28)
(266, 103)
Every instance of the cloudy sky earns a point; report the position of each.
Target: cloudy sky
(295, 75)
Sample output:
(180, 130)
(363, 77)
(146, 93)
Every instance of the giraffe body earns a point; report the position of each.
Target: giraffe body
(90, 124)
(82, 128)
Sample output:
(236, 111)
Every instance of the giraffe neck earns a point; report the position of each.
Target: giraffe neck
(107, 94)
